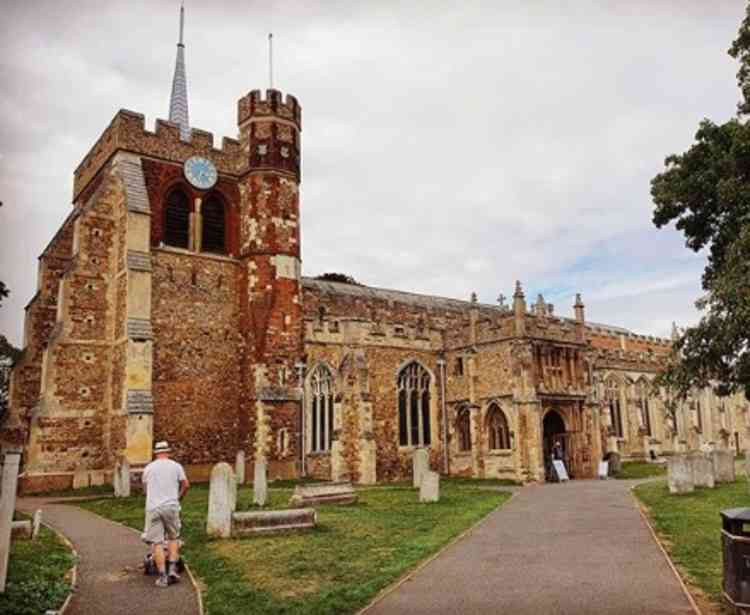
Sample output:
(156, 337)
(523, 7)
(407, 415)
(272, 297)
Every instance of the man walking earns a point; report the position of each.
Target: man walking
(165, 483)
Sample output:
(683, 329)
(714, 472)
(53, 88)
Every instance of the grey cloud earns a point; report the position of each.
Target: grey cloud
(447, 147)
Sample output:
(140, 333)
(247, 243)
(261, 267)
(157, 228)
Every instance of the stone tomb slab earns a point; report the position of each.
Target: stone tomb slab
(680, 474)
(703, 470)
(429, 490)
(324, 493)
(723, 462)
(271, 521)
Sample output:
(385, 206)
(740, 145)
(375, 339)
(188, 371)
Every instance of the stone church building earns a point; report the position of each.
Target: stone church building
(171, 306)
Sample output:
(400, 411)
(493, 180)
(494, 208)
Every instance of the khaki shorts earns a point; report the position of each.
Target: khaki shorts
(163, 523)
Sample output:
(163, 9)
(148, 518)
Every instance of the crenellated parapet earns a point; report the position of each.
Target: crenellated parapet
(127, 132)
(270, 129)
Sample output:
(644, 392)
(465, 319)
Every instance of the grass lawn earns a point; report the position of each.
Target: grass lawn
(338, 567)
(690, 526)
(37, 575)
(641, 469)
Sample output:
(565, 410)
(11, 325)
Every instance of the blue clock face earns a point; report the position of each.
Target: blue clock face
(200, 172)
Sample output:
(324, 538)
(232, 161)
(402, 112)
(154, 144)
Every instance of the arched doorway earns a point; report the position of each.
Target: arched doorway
(553, 428)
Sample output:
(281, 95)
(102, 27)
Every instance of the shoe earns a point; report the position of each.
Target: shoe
(174, 576)
(162, 581)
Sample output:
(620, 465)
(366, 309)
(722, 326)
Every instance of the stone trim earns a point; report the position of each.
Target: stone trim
(278, 394)
(139, 261)
(135, 186)
(140, 402)
(140, 329)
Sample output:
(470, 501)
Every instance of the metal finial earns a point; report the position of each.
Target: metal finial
(270, 59)
(182, 22)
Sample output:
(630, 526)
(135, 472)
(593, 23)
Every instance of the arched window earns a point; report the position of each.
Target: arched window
(642, 396)
(613, 401)
(321, 401)
(414, 405)
(213, 235)
(177, 219)
(463, 429)
(498, 427)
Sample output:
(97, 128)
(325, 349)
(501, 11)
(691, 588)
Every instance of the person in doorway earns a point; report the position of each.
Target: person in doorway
(165, 484)
(557, 450)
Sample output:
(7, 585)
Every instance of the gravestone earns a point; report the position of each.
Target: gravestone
(81, 479)
(429, 489)
(260, 483)
(122, 479)
(36, 523)
(7, 505)
(615, 463)
(723, 462)
(680, 474)
(703, 469)
(420, 465)
(239, 467)
(96, 478)
(340, 492)
(222, 499)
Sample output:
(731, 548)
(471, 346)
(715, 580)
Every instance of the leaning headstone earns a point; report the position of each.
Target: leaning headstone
(723, 462)
(222, 499)
(260, 483)
(122, 479)
(679, 474)
(36, 523)
(7, 505)
(239, 467)
(420, 465)
(703, 470)
(429, 489)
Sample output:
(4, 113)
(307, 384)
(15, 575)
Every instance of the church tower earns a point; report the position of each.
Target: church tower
(270, 291)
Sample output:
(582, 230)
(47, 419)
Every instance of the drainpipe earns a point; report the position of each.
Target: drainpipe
(441, 365)
(303, 441)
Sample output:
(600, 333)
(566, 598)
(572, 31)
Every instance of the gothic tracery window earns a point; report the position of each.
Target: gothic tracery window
(463, 429)
(177, 219)
(643, 405)
(497, 424)
(213, 233)
(615, 411)
(321, 406)
(414, 405)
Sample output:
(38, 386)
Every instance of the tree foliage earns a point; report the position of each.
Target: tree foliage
(342, 278)
(9, 354)
(706, 193)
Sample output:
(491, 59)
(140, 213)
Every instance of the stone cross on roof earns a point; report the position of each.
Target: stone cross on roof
(178, 102)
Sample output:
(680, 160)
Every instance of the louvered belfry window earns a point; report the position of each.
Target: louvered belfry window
(177, 220)
(213, 225)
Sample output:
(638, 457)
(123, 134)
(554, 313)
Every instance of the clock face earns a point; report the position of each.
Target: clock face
(200, 172)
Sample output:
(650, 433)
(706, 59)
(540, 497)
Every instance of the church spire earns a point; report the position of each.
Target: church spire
(178, 103)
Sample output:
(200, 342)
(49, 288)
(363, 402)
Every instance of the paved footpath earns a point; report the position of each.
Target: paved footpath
(110, 581)
(559, 549)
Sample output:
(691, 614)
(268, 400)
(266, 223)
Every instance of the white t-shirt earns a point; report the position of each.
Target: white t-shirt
(162, 479)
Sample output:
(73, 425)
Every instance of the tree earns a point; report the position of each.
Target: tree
(9, 354)
(706, 192)
(342, 278)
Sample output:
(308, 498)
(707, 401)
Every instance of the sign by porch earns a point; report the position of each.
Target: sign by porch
(560, 471)
(603, 469)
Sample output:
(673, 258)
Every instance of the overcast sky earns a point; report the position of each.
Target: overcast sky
(447, 147)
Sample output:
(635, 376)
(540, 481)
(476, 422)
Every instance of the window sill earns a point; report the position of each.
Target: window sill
(408, 448)
(501, 453)
(186, 252)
